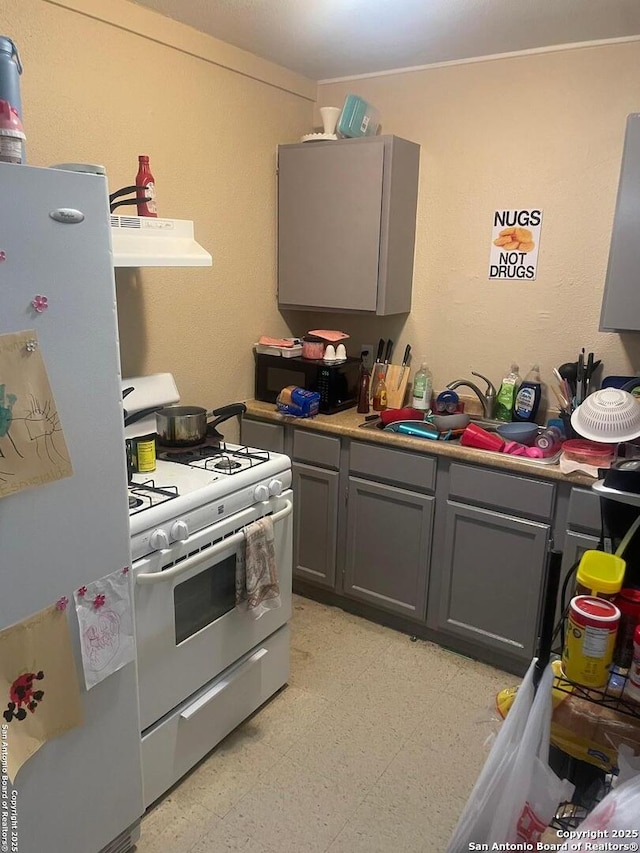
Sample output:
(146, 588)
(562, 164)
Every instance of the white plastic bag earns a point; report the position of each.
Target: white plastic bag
(533, 790)
(516, 793)
(615, 820)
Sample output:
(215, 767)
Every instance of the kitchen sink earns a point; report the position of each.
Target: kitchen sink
(486, 423)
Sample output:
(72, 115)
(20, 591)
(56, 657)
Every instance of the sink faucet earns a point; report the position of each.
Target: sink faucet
(488, 399)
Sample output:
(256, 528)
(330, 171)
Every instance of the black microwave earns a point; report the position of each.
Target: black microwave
(337, 384)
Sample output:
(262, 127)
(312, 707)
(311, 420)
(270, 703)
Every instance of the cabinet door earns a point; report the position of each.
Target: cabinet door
(315, 524)
(621, 302)
(494, 568)
(388, 547)
(329, 219)
(263, 436)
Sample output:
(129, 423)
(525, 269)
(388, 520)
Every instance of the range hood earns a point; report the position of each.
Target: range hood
(143, 241)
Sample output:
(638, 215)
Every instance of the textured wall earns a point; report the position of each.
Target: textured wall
(536, 131)
(94, 91)
(543, 130)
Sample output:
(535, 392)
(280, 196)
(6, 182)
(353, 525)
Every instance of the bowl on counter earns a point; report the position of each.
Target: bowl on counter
(453, 421)
(521, 432)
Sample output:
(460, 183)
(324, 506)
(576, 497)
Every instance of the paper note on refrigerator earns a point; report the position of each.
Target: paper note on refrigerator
(38, 686)
(106, 626)
(33, 450)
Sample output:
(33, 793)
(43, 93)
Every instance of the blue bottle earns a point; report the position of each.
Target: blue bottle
(525, 406)
(10, 71)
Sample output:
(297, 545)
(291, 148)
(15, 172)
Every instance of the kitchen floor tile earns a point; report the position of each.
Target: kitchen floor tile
(372, 748)
(286, 717)
(174, 826)
(226, 775)
(295, 806)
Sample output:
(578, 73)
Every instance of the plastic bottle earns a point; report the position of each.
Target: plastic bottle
(145, 179)
(10, 71)
(380, 394)
(422, 387)
(507, 394)
(363, 386)
(525, 407)
(11, 134)
(632, 688)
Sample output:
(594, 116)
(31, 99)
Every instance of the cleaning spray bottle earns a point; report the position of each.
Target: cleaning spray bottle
(525, 407)
(507, 394)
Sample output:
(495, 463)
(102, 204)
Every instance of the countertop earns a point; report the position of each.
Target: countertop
(347, 423)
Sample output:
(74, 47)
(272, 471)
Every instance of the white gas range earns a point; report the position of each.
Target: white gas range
(203, 665)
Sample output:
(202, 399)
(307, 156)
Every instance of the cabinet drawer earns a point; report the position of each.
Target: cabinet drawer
(393, 466)
(263, 436)
(182, 738)
(319, 449)
(516, 494)
(584, 511)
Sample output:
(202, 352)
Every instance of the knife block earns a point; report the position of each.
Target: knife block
(396, 379)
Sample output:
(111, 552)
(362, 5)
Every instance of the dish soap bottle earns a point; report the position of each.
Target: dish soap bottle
(422, 387)
(507, 394)
(525, 407)
(380, 394)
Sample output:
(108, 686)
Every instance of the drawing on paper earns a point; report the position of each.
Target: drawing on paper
(101, 640)
(23, 696)
(33, 449)
(105, 620)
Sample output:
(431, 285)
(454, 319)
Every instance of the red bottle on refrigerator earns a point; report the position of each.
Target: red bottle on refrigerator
(145, 179)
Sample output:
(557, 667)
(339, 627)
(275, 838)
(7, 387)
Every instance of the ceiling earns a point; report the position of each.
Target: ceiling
(327, 39)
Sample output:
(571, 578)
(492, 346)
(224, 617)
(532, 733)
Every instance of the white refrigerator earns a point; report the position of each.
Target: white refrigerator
(82, 791)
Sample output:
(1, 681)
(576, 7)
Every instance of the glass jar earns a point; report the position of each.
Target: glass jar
(312, 347)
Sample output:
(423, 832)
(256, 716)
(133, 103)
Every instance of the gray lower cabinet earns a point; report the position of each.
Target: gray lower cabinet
(492, 571)
(262, 435)
(315, 525)
(389, 533)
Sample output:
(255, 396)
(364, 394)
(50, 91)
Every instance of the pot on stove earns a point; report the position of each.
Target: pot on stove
(184, 426)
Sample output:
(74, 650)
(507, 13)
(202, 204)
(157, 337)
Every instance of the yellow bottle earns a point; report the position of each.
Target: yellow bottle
(380, 394)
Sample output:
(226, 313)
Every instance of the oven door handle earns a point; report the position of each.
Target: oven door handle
(205, 556)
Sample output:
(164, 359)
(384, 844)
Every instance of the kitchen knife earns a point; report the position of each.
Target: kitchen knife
(588, 374)
(580, 380)
(387, 355)
(405, 359)
(380, 350)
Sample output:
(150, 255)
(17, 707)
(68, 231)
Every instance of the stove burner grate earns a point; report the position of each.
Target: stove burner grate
(219, 458)
(145, 495)
(227, 464)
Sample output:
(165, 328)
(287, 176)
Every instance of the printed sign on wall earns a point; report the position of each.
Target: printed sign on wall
(515, 240)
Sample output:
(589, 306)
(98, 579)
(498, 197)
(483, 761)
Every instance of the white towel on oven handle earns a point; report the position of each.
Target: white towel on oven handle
(257, 587)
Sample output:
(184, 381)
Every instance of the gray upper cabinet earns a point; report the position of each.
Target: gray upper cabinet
(493, 570)
(346, 224)
(621, 302)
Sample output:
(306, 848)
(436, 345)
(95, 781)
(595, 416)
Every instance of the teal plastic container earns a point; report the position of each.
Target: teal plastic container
(358, 118)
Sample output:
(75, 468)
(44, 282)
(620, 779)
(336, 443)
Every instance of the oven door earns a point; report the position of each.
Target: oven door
(187, 626)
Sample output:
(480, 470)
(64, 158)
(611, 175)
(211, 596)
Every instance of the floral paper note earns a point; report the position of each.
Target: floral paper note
(106, 626)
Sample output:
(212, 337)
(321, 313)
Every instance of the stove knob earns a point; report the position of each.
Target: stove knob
(179, 532)
(261, 492)
(159, 540)
(275, 488)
